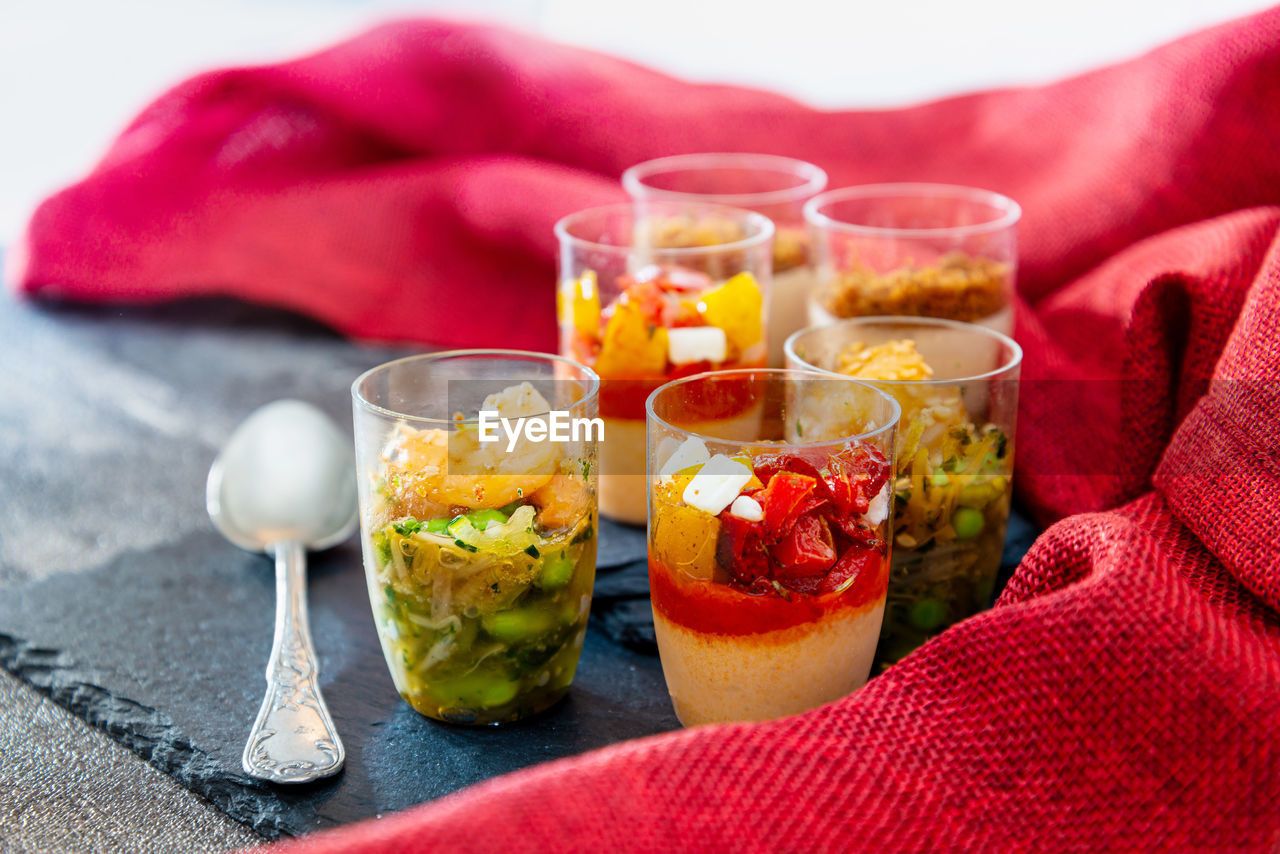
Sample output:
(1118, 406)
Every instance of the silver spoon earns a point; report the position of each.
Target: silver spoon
(285, 483)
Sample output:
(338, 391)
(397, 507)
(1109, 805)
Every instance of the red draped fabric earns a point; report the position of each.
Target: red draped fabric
(1124, 693)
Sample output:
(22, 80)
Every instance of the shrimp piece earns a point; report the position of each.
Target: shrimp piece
(562, 502)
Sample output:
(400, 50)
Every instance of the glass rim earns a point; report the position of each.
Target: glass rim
(590, 376)
(764, 228)
(1014, 360)
(1011, 211)
(813, 177)
(895, 409)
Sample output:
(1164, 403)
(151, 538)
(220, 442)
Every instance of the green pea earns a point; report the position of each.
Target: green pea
(556, 572)
(927, 614)
(967, 522)
(481, 519)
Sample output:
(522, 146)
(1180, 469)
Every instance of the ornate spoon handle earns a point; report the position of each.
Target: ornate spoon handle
(293, 739)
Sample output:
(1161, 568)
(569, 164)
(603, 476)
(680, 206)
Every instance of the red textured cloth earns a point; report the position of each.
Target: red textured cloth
(1124, 693)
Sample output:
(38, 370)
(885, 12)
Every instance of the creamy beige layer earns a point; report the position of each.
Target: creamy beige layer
(623, 487)
(788, 308)
(715, 678)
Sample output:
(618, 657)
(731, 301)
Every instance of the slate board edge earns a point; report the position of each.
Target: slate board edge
(147, 732)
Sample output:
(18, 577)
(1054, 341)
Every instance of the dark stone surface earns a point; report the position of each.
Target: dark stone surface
(119, 600)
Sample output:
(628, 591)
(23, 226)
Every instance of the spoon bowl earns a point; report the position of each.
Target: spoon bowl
(287, 474)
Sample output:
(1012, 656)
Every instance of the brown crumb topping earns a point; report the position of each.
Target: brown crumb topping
(958, 287)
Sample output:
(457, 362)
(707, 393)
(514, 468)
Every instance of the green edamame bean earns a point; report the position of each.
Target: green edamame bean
(481, 519)
(556, 572)
(927, 614)
(517, 625)
(968, 523)
(498, 693)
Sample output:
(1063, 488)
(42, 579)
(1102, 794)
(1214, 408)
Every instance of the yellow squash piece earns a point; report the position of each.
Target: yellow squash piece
(684, 538)
(735, 307)
(582, 302)
(632, 347)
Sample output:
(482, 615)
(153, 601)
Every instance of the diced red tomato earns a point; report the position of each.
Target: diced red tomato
(845, 485)
(859, 571)
(852, 528)
(649, 298)
(740, 549)
(807, 550)
(782, 499)
(767, 465)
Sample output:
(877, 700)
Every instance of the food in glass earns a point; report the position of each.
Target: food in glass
(926, 250)
(957, 384)
(479, 555)
(649, 293)
(768, 540)
(771, 185)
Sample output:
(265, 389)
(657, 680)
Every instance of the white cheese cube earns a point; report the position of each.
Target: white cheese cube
(746, 507)
(687, 344)
(716, 484)
(691, 452)
(878, 508)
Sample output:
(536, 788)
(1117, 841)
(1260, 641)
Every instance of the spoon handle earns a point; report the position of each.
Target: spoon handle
(293, 739)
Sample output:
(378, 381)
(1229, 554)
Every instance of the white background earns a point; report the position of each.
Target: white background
(72, 72)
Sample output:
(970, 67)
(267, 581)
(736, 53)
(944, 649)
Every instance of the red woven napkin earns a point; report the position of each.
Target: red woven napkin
(1124, 693)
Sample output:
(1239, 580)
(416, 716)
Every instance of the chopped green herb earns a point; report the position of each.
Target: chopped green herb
(532, 551)
(407, 527)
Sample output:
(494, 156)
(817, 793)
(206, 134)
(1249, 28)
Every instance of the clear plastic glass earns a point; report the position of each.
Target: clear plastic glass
(480, 556)
(650, 292)
(957, 384)
(925, 250)
(775, 186)
(768, 538)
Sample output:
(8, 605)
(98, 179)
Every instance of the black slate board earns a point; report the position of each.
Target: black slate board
(119, 599)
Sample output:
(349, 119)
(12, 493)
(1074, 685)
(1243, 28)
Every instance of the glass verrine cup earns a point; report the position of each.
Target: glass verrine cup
(480, 555)
(957, 384)
(775, 186)
(927, 250)
(650, 292)
(768, 538)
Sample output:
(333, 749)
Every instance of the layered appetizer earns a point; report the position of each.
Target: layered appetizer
(653, 292)
(480, 562)
(768, 562)
(916, 250)
(774, 186)
(952, 482)
(665, 323)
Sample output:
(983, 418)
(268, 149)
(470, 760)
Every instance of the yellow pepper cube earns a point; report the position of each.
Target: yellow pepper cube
(580, 301)
(684, 539)
(735, 307)
(632, 347)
